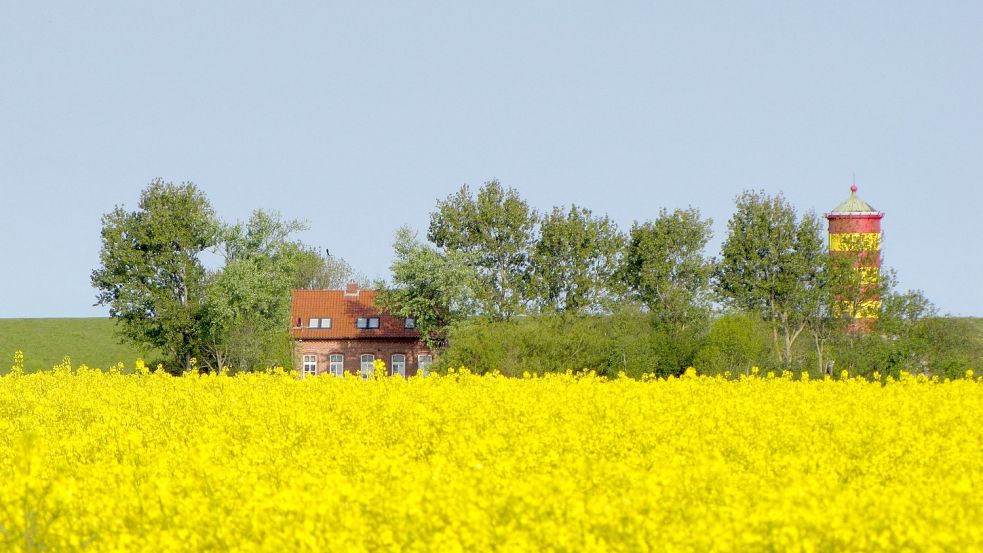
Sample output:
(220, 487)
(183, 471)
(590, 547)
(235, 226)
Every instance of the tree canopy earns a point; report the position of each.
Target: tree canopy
(151, 275)
(573, 261)
(770, 264)
(494, 229)
(665, 269)
(435, 288)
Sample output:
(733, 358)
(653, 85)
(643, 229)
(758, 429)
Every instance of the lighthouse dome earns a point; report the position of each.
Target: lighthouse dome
(854, 204)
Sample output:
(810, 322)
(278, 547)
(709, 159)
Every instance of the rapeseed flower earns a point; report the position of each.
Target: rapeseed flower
(104, 461)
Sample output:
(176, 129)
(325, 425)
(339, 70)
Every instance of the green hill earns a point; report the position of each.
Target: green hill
(46, 341)
(977, 323)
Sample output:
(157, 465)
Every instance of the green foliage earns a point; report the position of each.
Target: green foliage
(640, 341)
(736, 342)
(89, 341)
(248, 300)
(494, 232)
(573, 261)
(910, 336)
(630, 341)
(317, 272)
(770, 264)
(664, 267)
(435, 288)
(151, 275)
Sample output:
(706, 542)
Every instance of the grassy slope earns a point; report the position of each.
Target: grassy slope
(46, 341)
(978, 327)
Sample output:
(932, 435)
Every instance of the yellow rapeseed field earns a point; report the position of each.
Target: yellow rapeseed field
(102, 461)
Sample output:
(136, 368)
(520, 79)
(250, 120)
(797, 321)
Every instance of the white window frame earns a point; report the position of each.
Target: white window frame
(398, 367)
(313, 323)
(325, 322)
(366, 365)
(309, 365)
(337, 363)
(424, 366)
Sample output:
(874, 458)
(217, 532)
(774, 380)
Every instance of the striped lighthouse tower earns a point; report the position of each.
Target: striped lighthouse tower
(855, 228)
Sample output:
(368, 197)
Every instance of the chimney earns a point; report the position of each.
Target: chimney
(351, 289)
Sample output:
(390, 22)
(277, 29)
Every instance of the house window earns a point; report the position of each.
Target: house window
(424, 362)
(337, 364)
(310, 365)
(366, 368)
(399, 365)
(367, 322)
(313, 323)
(410, 323)
(325, 323)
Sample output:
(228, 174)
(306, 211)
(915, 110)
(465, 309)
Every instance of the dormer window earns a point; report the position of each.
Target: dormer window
(367, 322)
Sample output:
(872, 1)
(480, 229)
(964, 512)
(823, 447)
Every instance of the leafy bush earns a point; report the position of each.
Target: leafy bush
(630, 341)
(735, 343)
(941, 346)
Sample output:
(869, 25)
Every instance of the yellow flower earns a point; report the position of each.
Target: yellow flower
(379, 367)
(571, 461)
(18, 367)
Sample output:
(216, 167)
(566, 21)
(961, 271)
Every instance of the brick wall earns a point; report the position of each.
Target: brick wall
(354, 349)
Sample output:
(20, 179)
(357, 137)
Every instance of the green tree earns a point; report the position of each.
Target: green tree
(248, 299)
(770, 265)
(494, 230)
(664, 267)
(325, 272)
(151, 275)
(573, 261)
(435, 288)
(835, 297)
(902, 311)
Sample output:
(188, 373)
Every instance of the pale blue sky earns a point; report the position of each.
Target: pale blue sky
(358, 117)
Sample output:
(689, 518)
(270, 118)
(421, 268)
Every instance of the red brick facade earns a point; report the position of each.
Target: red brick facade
(332, 323)
(352, 350)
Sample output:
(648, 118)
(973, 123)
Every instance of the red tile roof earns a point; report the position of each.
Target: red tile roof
(343, 308)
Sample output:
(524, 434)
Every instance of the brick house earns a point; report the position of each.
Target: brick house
(341, 331)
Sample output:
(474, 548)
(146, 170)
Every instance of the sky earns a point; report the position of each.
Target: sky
(357, 117)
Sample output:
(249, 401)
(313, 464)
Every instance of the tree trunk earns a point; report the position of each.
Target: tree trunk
(819, 352)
